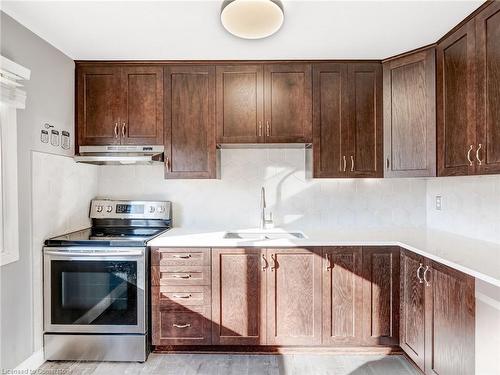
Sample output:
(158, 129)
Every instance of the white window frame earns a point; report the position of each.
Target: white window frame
(12, 98)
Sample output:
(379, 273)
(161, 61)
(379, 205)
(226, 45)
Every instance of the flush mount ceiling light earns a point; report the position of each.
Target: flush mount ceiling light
(252, 19)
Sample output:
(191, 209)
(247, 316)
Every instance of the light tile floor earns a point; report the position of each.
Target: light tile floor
(242, 364)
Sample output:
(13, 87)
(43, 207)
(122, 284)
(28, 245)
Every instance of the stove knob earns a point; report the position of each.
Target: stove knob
(99, 209)
(109, 209)
(151, 209)
(161, 209)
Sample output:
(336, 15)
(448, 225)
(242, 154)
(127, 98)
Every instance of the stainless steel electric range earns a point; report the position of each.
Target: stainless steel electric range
(96, 283)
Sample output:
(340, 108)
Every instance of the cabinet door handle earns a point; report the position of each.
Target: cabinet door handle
(183, 296)
(124, 127)
(167, 164)
(477, 154)
(265, 263)
(352, 163)
(468, 155)
(388, 163)
(274, 265)
(328, 263)
(345, 162)
(187, 256)
(185, 276)
(116, 130)
(427, 282)
(420, 268)
(268, 129)
(185, 325)
(260, 128)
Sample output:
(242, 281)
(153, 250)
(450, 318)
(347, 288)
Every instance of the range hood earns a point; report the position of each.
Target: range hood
(120, 155)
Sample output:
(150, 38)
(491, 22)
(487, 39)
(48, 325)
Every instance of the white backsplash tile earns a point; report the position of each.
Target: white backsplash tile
(296, 201)
(470, 206)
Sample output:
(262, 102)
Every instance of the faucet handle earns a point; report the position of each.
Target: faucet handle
(268, 223)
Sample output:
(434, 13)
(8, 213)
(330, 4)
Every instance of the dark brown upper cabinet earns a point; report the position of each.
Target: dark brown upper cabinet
(287, 103)
(347, 120)
(410, 115)
(456, 102)
(119, 105)
(487, 154)
(260, 103)
(98, 105)
(330, 120)
(142, 105)
(240, 104)
(190, 149)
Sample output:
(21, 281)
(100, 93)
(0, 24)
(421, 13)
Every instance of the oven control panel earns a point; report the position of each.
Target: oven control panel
(114, 209)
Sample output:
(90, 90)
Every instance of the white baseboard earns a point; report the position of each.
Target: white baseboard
(32, 363)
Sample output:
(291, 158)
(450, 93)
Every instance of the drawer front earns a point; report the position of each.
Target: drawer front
(180, 257)
(180, 275)
(181, 328)
(178, 297)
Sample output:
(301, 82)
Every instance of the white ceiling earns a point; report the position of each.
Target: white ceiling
(192, 30)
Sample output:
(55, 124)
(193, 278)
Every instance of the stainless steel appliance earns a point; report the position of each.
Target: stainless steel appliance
(120, 154)
(96, 283)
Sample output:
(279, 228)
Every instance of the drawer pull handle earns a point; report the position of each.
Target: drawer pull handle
(187, 256)
(181, 276)
(185, 325)
(182, 296)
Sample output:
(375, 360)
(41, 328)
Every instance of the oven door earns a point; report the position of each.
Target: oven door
(95, 290)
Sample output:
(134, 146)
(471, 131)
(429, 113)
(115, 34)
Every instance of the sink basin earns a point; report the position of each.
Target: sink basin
(264, 235)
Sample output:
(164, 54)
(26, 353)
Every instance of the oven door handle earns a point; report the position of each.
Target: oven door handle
(103, 254)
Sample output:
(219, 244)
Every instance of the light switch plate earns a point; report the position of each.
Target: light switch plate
(439, 202)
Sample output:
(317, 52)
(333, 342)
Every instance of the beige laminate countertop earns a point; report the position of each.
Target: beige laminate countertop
(480, 259)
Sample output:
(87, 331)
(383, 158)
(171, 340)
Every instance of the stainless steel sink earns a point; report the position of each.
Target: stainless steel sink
(264, 235)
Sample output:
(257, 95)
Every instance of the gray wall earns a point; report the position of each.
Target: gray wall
(50, 99)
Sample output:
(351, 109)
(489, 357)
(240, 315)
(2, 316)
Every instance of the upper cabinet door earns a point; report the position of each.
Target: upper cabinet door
(487, 151)
(330, 120)
(365, 125)
(456, 103)
(287, 103)
(410, 115)
(142, 105)
(98, 94)
(190, 150)
(240, 101)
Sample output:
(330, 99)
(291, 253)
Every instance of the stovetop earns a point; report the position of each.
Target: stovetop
(107, 237)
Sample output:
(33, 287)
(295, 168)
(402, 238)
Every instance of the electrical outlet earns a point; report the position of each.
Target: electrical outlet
(439, 202)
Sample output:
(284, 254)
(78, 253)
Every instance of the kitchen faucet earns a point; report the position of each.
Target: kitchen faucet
(264, 223)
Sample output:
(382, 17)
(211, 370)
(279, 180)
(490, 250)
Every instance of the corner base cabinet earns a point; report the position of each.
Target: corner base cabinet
(437, 316)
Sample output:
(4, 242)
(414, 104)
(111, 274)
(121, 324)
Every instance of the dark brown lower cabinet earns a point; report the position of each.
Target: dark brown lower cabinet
(239, 296)
(449, 321)
(294, 296)
(381, 295)
(412, 312)
(342, 296)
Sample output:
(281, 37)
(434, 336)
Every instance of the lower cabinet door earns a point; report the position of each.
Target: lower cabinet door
(238, 298)
(342, 296)
(294, 296)
(381, 295)
(412, 312)
(450, 321)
